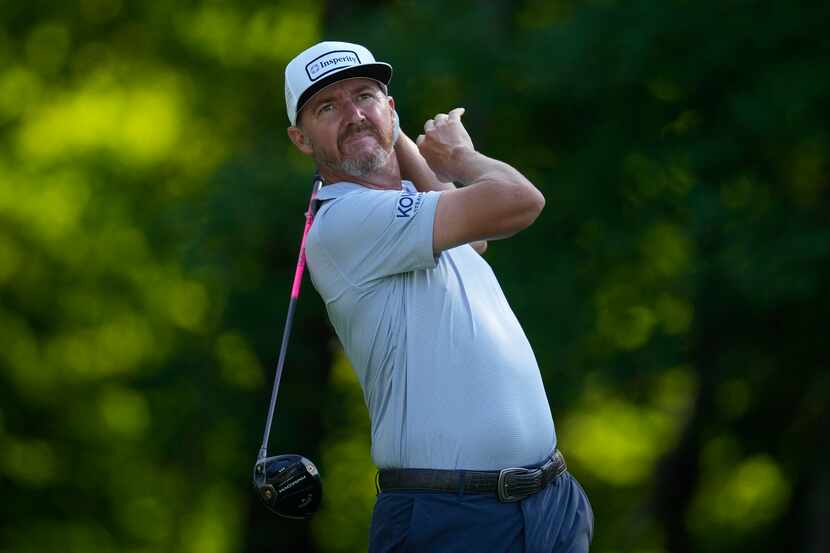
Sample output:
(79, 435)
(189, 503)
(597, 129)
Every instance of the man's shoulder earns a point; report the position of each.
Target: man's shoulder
(344, 189)
(339, 216)
(358, 205)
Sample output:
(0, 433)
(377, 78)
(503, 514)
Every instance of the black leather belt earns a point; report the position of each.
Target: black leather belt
(510, 484)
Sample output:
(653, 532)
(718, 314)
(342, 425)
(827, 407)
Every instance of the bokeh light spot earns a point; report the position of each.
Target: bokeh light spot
(139, 124)
(188, 304)
(667, 250)
(145, 516)
(237, 38)
(647, 179)
(740, 497)
(675, 313)
(30, 463)
(123, 411)
(618, 441)
(675, 390)
(151, 124)
(213, 526)
(19, 89)
(621, 319)
(51, 205)
(240, 366)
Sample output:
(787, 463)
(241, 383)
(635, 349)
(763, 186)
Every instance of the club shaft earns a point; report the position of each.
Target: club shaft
(292, 304)
(289, 318)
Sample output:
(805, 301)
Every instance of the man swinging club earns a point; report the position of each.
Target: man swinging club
(462, 432)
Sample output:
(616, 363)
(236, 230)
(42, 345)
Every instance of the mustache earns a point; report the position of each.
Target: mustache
(358, 128)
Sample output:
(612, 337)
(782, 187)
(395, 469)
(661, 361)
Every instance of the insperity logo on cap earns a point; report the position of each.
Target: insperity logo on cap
(326, 63)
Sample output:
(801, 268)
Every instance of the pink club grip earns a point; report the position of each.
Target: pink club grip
(298, 273)
(309, 219)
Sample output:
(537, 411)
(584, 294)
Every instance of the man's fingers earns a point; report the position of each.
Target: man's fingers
(455, 114)
(420, 139)
(441, 118)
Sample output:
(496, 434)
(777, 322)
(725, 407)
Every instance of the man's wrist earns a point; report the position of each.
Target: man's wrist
(467, 164)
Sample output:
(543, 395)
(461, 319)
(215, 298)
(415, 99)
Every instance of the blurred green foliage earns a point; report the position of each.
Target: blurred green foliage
(675, 289)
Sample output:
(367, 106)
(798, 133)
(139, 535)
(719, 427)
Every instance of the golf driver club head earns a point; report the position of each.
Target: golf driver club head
(289, 485)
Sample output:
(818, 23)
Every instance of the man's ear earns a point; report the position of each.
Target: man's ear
(300, 140)
(395, 123)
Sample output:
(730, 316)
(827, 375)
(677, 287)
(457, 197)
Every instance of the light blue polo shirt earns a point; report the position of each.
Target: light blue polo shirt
(448, 375)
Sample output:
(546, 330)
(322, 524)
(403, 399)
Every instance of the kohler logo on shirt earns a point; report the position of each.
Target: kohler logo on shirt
(328, 62)
(408, 204)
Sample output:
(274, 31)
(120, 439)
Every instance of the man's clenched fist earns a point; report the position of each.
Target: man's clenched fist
(444, 142)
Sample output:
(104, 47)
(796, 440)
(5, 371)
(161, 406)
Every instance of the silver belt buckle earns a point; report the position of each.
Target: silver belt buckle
(501, 489)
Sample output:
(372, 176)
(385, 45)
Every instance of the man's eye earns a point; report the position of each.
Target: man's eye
(325, 108)
(366, 96)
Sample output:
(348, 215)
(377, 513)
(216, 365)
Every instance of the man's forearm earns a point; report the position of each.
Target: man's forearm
(475, 169)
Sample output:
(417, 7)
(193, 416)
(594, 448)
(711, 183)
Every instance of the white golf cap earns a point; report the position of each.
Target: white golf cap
(325, 63)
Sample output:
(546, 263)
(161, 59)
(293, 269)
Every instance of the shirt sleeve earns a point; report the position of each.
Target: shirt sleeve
(372, 234)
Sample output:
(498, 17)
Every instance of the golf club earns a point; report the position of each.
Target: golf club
(289, 485)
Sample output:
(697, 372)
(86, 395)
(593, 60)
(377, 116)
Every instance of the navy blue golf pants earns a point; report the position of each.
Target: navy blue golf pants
(557, 519)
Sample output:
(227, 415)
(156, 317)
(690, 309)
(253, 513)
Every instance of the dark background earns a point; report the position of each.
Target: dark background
(675, 289)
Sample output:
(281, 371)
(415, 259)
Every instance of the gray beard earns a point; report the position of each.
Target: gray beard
(362, 167)
(367, 164)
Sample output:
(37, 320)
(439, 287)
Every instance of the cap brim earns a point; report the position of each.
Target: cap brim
(381, 72)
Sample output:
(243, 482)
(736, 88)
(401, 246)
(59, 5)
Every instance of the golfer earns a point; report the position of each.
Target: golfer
(462, 432)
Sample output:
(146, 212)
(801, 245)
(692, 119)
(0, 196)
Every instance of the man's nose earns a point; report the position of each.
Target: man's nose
(352, 112)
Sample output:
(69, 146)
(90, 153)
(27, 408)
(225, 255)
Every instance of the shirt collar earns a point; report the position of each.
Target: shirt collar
(338, 189)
